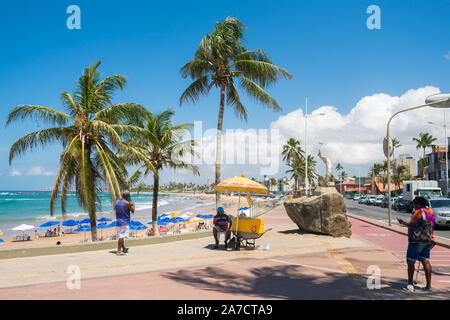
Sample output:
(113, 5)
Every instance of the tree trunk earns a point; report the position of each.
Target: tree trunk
(219, 141)
(92, 193)
(155, 204)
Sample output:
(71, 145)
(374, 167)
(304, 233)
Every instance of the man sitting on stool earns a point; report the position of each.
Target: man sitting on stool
(222, 224)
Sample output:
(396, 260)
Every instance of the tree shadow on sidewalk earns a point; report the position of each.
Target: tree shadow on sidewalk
(277, 282)
(301, 232)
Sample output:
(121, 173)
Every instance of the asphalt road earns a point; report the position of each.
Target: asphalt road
(381, 214)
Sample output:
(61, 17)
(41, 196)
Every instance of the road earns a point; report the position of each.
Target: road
(381, 214)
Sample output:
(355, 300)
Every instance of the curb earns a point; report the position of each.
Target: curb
(75, 248)
(439, 240)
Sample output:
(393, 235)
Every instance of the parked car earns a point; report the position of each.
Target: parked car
(441, 209)
(379, 200)
(400, 205)
(356, 198)
(362, 200)
(385, 202)
(371, 200)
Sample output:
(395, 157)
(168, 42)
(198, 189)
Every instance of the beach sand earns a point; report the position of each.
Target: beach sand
(229, 202)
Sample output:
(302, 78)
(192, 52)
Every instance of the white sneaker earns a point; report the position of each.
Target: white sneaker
(409, 288)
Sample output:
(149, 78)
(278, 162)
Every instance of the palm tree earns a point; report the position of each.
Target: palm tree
(395, 144)
(159, 145)
(273, 182)
(399, 176)
(425, 140)
(339, 168)
(297, 170)
(223, 62)
(292, 151)
(89, 133)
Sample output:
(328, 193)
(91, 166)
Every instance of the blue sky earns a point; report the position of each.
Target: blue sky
(335, 59)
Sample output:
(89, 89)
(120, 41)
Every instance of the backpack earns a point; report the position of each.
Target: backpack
(421, 232)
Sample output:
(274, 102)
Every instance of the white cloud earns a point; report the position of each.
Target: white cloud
(39, 171)
(356, 138)
(15, 173)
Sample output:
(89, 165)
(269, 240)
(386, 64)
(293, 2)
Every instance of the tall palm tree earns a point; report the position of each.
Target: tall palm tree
(159, 145)
(425, 140)
(292, 151)
(399, 176)
(90, 133)
(223, 62)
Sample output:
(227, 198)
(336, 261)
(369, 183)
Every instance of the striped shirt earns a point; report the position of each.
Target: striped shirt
(221, 220)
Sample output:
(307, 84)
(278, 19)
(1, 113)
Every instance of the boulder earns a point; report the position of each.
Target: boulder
(324, 212)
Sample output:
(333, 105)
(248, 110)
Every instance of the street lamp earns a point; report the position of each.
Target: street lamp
(446, 151)
(439, 100)
(306, 115)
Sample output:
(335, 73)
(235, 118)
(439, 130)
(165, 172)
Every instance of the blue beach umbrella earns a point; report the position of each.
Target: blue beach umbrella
(1, 240)
(136, 227)
(104, 220)
(160, 223)
(102, 226)
(136, 223)
(112, 224)
(83, 229)
(69, 223)
(85, 221)
(49, 224)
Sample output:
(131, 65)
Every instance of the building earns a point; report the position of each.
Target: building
(409, 162)
(435, 168)
(286, 184)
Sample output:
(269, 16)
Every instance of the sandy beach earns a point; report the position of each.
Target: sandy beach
(230, 204)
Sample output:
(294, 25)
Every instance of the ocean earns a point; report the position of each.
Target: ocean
(33, 208)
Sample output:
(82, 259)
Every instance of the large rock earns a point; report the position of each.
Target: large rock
(325, 212)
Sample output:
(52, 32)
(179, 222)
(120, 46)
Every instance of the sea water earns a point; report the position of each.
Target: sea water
(33, 208)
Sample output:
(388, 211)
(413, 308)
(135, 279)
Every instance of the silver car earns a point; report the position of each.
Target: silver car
(441, 209)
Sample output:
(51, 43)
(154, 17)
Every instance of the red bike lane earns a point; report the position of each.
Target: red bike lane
(396, 244)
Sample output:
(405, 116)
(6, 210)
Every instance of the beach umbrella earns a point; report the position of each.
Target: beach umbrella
(164, 215)
(85, 221)
(102, 226)
(195, 219)
(1, 233)
(70, 223)
(1, 240)
(174, 214)
(240, 184)
(112, 224)
(23, 228)
(160, 223)
(49, 224)
(83, 229)
(104, 220)
(136, 223)
(137, 227)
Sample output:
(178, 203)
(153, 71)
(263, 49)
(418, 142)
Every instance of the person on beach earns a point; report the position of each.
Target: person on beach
(222, 224)
(123, 208)
(420, 240)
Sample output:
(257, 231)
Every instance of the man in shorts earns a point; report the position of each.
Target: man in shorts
(123, 208)
(419, 249)
(222, 224)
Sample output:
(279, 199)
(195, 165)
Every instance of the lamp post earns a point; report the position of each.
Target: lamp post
(437, 101)
(306, 115)
(446, 152)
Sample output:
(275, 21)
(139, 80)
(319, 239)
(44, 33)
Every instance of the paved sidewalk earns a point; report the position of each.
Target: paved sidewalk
(298, 266)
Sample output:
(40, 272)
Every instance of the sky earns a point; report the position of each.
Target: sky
(355, 75)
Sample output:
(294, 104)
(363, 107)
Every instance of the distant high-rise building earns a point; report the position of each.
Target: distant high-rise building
(408, 161)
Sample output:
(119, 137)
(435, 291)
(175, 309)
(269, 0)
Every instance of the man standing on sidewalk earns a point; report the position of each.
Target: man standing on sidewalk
(420, 240)
(123, 208)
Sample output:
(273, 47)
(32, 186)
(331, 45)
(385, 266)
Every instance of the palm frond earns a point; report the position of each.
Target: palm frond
(259, 94)
(45, 114)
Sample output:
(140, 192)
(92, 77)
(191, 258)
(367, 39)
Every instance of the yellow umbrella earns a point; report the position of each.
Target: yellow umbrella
(173, 215)
(241, 184)
(1, 233)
